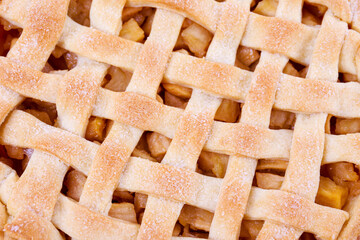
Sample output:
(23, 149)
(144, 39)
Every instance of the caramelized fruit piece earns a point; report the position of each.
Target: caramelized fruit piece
(290, 70)
(132, 31)
(14, 152)
(215, 163)
(266, 8)
(344, 126)
(123, 211)
(95, 129)
(119, 79)
(174, 101)
(158, 144)
(140, 202)
(269, 180)
(276, 165)
(228, 111)
(342, 172)
(177, 90)
(330, 194)
(282, 120)
(247, 56)
(74, 182)
(197, 218)
(197, 39)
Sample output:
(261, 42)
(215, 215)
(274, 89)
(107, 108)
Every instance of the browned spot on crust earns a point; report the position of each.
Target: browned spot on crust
(280, 33)
(41, 32)
(28, 224)
(261, 94)
(16, 76)
(193, 9)
(242, 138)
(138, 110)
(171, 181)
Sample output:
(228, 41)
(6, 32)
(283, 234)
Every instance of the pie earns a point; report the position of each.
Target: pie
(160, 119)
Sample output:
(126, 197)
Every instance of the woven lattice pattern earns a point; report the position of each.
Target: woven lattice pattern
(37, 208)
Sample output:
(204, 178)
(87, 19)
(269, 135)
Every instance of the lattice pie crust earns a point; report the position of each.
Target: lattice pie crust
(33, 206)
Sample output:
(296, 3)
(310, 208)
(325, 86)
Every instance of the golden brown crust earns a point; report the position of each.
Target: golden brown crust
(301, 207)
(197, 119)
(117, 147)
(244, 140)
(309, 137)
(26, 191)
(44, 24)
(77, 94)
(34, 199)
(29, 225)
(263, 206)
(340, 8)
(205, 12)
(81, 223)
(355, 23)
(351, 228)
(234, 195)
(41, 32)
(307, 95)
(299, 46)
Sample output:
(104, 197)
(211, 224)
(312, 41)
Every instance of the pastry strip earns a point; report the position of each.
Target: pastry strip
(303, 171)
